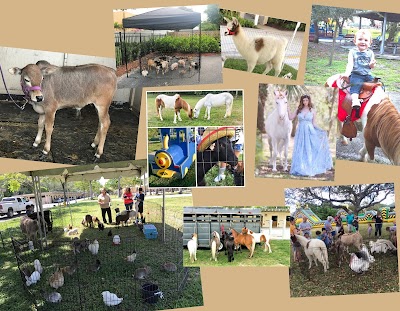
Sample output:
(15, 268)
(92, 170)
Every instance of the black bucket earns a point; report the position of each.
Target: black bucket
(117, 209)
(150, 293)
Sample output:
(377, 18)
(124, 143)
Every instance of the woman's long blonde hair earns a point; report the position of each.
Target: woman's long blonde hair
(301, 105)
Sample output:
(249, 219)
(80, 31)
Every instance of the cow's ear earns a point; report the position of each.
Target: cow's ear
(47, 70)
(15, 71)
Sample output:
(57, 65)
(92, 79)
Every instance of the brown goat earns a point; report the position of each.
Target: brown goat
(29, 227)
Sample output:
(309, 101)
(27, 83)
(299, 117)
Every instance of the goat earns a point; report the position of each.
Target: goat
(50, 88)
(123, 217)
(220, 151)
(229, 245)
(29, 227)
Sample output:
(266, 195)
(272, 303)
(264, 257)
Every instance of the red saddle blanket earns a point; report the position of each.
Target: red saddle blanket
(342, 114)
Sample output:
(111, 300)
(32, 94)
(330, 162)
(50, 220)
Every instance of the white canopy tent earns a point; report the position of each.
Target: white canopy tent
(87, 172)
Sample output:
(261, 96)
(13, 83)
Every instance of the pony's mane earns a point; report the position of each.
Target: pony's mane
(385, 121)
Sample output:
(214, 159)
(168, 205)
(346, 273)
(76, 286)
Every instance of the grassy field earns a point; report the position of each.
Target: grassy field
(318, 70)
(84, 287)
(241, 64)
(216, 114)
(381, 277)
(280, 256)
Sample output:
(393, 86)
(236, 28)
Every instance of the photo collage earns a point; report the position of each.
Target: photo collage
(213, 144)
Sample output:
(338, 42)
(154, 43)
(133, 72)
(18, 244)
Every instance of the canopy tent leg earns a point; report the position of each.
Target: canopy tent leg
(39, 207)
(291, 41)
(163, 214)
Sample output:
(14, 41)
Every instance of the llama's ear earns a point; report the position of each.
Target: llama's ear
(226, 19)
(235, 21)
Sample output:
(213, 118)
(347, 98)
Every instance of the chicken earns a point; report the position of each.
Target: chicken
(94, 247)
(131, 258)
(169, 267)
(73, 231)
(142, 273)
(359, 262)
(145, 73)
(33, 279)
(111, 299)
(38, 266)
(53, 297)
(56, 280)
(95, 267)
(70, 270)
(116, 240)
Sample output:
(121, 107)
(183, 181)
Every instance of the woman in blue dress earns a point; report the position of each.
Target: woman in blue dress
(311, 155)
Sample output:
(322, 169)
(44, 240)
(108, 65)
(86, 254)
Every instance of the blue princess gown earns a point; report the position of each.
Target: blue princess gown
(311, 154)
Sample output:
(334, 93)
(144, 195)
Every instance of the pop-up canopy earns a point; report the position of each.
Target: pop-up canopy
(169, 18)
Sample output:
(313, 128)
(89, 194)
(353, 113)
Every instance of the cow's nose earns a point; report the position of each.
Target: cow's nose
(39, 98)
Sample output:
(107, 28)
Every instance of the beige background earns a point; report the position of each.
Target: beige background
(85, 27)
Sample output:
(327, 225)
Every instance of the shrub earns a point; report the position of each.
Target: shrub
(284, 24)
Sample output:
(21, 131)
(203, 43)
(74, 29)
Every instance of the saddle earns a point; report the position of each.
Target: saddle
(349, 128)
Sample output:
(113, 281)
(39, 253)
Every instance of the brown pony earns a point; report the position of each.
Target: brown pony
(244, 239)
(382, 130)
(173, 102)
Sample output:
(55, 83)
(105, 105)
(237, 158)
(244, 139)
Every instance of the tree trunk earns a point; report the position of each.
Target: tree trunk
(333, 44)
(316, 32)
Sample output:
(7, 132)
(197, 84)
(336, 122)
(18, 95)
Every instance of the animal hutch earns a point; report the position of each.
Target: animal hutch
(177, 154)
(153, 50)
(205, 220)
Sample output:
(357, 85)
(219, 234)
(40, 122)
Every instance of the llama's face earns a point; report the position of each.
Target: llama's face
(232, 26)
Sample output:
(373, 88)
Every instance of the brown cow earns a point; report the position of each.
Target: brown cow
(50, 88)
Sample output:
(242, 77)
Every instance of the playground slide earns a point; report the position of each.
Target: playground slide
(312, 217)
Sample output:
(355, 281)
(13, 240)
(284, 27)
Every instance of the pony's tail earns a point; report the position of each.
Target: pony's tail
(253, 246)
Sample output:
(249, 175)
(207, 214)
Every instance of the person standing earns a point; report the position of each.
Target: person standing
(305, 228)
(140, 199)
(338, 221)
(378, 224)
(349, 219)
(128, 198)
(311, 153)
(104, 201)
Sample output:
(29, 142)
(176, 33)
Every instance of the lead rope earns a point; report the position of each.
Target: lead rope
(9, 95)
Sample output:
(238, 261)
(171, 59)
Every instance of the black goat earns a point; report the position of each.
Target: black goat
(220, 151)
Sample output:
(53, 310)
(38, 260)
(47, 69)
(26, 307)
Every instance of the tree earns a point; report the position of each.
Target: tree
(13, 183)
(357, 196)
(213, 15)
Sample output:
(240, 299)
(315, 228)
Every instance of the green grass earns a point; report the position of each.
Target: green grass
(115, 274)
(318, 70)
(280, 256)
(216, 113)
(381, 277)
(241, 64)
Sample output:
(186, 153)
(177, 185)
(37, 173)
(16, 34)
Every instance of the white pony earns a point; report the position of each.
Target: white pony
(192, 248)
(314, 249)
(215, 242)
(214, 100)
(376, 98)
(278, 127)
(262, 237)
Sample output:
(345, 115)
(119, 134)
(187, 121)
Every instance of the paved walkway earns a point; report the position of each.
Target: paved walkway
(293, 53)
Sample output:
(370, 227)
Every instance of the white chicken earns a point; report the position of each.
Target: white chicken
(111, 299)
(116, 240)
(38, 266)
(33, 279)
(94, 247)
(145, 73)
(131, 258)
(359, 262)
